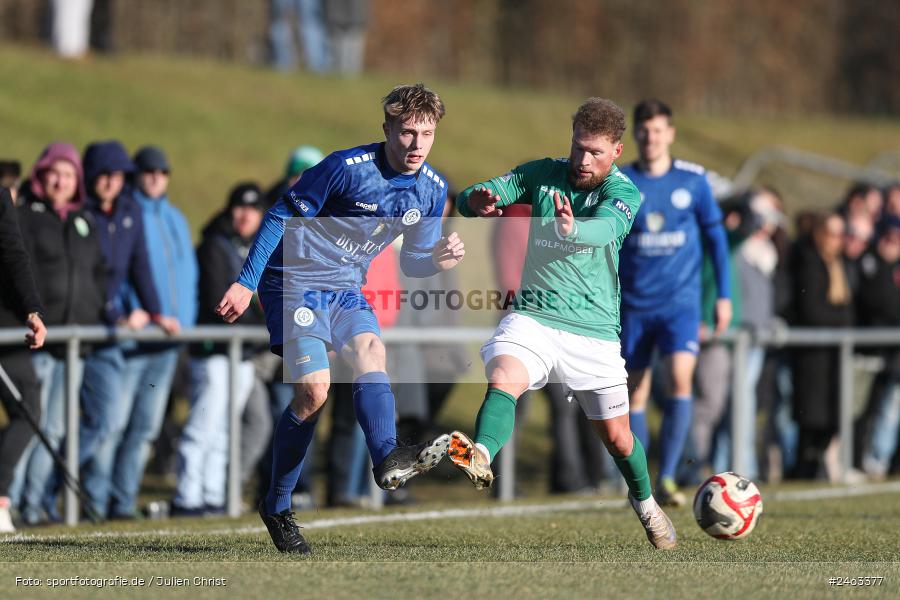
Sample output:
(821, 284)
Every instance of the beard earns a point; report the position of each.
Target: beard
(581, 183)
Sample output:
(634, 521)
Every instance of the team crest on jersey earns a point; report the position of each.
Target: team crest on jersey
(592, 199)
(506, 177)
(412, 216)
(681, 198)
(655, 222)
(304, 316)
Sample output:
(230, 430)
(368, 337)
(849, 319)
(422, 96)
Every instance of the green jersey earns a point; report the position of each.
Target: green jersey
(569, 282)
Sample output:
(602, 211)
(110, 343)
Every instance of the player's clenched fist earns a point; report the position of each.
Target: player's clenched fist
(565, 220)
(483, 203)
(448, 252)
(234, 303)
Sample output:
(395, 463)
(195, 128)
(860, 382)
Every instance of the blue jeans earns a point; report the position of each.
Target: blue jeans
(104, 415)
(145, 393)
(203, 446)
(313, 34)
(722, 460)
(886, 424)
(34, 482)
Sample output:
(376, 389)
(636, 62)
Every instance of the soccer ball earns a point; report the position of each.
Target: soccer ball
(727, 506)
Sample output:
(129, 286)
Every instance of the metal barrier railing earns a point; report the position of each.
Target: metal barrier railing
(236, 335)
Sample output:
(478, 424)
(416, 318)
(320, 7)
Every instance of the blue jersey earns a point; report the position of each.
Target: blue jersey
(659, 263)
(348, 208)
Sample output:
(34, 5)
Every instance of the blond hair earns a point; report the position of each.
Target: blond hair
(412, 101)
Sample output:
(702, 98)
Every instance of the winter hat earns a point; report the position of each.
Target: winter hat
(151, 158)
(245, 194)
(302, 158)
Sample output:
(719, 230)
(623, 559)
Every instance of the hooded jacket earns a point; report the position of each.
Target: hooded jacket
(121, 234)
(68, 264)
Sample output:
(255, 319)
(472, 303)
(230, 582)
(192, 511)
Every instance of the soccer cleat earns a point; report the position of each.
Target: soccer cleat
(471, 460)
(284, 531)
(668, 494)
(405, 462)
(659, 527)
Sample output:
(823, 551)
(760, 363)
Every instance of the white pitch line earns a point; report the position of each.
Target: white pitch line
(453, 513)
(863, 489)
(431, 515)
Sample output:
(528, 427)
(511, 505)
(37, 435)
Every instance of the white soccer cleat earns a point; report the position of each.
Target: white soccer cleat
(659, 527)
(471, 460)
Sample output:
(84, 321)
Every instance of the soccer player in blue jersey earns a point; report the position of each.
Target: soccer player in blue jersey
(659, 269)
(308, 263)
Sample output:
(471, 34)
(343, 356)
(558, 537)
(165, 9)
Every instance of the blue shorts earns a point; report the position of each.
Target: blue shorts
(672, 329)
(303, 328)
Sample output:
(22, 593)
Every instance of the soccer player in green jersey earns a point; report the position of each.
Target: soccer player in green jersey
(565, 322)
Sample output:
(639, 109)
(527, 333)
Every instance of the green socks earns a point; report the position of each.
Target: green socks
(496, 420)
(634, 469)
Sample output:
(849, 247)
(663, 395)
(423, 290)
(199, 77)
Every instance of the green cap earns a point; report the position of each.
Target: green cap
(302, 158)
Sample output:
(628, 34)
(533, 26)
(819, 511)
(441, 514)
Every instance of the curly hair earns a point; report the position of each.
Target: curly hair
(416, 101)
(600, 116)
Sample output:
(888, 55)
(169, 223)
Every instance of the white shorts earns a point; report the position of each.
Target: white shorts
(594, 369)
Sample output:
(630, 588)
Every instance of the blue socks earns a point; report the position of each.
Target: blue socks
(292, 438)
(676, 425)
(374, 404)
(638, 422)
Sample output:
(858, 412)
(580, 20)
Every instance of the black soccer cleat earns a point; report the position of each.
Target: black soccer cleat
(284, 531)
(405, 462)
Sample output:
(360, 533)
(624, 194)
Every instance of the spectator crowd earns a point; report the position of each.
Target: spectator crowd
(109, 247)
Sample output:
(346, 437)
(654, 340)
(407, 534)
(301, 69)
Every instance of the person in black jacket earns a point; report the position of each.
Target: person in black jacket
(19, 305)
(203, 447)
(878, 305)
(70, 270)
(822, 298)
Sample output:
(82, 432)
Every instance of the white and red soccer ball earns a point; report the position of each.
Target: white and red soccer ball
(727, 506)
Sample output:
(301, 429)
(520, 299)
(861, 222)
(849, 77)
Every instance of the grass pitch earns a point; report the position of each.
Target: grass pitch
(551, 547)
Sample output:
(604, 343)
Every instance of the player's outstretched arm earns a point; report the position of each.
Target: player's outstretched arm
(234, 302)
(483, 203)
(448, 252)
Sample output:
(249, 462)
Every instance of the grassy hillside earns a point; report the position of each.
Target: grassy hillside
(223, 123)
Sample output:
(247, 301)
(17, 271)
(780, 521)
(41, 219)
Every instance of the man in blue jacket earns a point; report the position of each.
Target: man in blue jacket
(121, 236)
(150, 368)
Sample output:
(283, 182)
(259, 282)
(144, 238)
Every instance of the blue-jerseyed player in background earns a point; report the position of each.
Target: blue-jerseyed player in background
(308, 263)
(659, 270)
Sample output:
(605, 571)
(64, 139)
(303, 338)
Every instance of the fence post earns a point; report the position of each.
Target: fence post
(73, 346)
(740, 462)
(845, 431)
(233, 500)
(507, 478)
